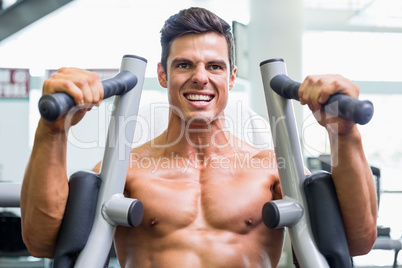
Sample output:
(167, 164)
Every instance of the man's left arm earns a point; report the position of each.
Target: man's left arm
(355, 189)
(351, 173)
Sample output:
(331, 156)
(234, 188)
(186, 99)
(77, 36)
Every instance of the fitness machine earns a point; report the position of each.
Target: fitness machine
(96, 204)
(310, 208)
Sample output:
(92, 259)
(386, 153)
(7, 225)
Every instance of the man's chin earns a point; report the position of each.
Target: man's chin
(199, 120)
(203, 119)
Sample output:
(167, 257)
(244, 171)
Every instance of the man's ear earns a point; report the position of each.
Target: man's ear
(162, 75)
(232, 78)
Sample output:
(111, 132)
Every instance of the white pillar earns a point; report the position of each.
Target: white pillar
(275, 31)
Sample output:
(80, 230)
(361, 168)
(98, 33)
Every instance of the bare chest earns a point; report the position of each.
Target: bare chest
(201, 199)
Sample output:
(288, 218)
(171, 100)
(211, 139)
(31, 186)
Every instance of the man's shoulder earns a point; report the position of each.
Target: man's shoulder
(145, 148)
(249, 148)
(266, 153)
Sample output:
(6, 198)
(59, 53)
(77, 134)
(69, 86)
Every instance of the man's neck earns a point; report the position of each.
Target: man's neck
(199, 140)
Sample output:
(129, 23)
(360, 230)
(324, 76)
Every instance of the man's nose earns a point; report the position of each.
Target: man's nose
(200, 75)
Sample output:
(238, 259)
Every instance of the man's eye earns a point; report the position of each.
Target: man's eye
(215, 67)
(183, 65)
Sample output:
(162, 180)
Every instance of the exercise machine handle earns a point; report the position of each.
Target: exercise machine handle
(349, 108)
(53, 106)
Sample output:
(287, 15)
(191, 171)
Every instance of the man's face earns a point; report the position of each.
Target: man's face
(198, 76)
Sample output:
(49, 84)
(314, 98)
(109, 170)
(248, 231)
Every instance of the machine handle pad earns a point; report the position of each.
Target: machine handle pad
(348, 108)
(53, 106)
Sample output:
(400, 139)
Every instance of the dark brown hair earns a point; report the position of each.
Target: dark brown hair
(194, 20)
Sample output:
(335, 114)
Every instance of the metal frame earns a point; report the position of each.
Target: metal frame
(114, 171)
(287, 146)
(112, 207)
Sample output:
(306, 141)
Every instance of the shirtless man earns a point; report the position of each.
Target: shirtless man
(206, 213)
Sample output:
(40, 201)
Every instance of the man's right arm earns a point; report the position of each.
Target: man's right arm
(44, 191)
(45, 186)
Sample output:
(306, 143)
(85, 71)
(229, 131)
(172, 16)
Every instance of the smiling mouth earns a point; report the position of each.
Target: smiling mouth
(199, 97)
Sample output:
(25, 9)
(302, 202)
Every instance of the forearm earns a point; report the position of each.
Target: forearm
(355, 189)
(44, 192)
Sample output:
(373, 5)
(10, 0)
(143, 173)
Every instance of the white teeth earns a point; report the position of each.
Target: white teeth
(196, 97)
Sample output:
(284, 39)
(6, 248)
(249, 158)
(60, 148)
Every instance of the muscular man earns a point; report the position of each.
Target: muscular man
(202, 209)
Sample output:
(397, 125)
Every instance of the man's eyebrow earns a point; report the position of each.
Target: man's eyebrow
(180, 60)
(218, 62)
(185, 60)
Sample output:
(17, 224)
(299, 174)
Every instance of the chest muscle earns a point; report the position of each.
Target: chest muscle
(204, 200)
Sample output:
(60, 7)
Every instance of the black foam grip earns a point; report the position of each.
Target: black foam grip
(53, 106)
(349, 108)
(285, 86)
(120, 84)
(326, 219)
(78, 218)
